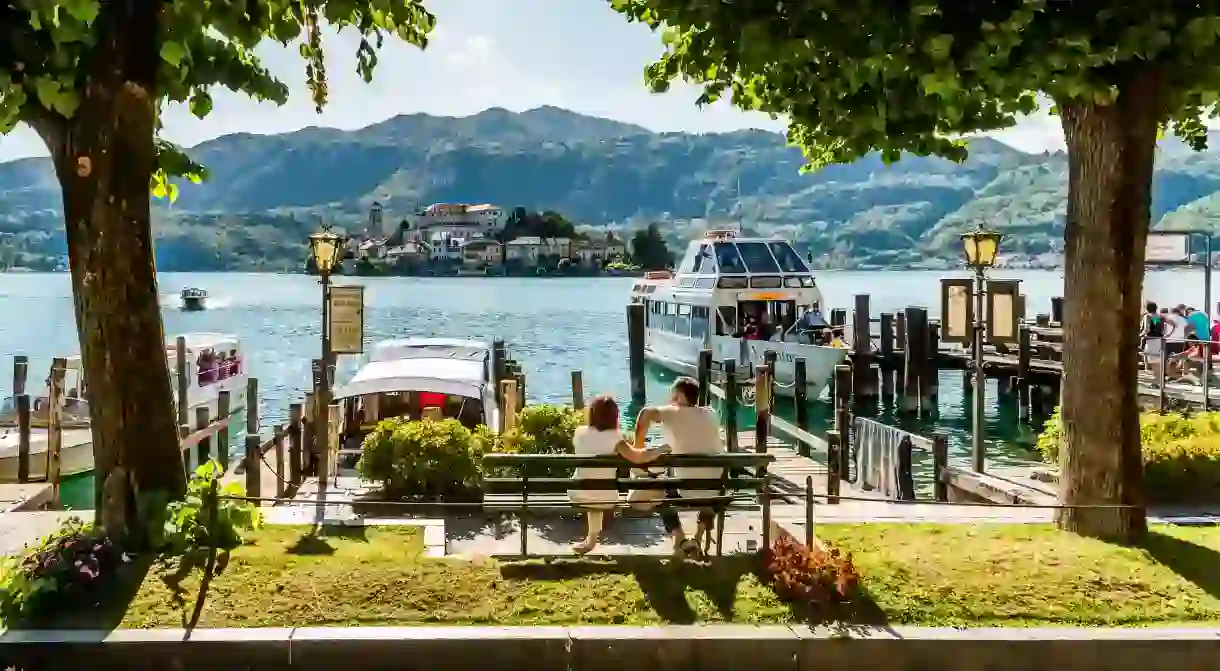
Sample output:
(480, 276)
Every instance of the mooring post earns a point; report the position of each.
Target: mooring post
(1022, 380)
(253, 442)
(296, 432)
(636, 314)
(887, 357)
(940, 461)
(203, 449)
(55, 432)
(842, 399)
(498, 356)
(21, 367)
(222, 435)
(865, 383)
(578, 390)
(1057, 310)
(762, 407)
(834, 466)
(182, 373)
(280, 433)
(703, 374)
(913, 354)
(23, 438)
(730, 405)
(800, 399)
(929, 377)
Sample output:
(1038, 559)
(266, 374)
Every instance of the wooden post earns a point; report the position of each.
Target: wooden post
(834, 466)
(887, 357)
(1022, 381)
(23, 437)
(498, 356)
(334, 420)
(1057, 310)
(865, 383)
(731, 394)
(253, 456)
(636, 316)
(929, 377)
(508, 413)
(203, 449)
(913, 355)
(296, 433)
(21, 368)
(222, 436)
(309, 415)
(578, 390)
(762, 407)
(799, 397)
(842, 399)
(900, 330)
(522, 396)
(940, 461)
(252, 405)
(280, 432)
(1161, 377)
(183, 374)
(809, 511)
(55, 433)
(703, 374)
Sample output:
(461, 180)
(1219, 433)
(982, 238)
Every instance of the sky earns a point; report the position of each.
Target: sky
(515, 54)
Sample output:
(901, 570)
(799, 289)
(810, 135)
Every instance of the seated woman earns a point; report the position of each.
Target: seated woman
(601, 437)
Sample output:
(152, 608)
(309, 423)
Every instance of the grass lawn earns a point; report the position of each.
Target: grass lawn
(1033, 575)
(991, 575)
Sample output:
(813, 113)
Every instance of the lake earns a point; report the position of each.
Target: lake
(552, 325)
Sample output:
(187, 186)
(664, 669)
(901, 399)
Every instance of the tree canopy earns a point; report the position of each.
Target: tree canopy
(47, 47)
(913, 75)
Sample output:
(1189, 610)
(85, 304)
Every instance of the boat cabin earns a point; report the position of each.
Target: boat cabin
(421, 377)
(728, 285)
(210, 358)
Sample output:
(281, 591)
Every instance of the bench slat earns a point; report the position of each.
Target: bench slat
(512, 502)
(556, 485)
(725, 460)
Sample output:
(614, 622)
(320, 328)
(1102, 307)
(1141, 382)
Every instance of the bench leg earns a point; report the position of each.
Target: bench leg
(720, 532)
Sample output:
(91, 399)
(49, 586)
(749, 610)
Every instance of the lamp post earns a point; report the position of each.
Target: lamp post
(324, 248)
(980, 248)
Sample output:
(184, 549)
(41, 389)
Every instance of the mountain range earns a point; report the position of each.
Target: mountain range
(266, 192)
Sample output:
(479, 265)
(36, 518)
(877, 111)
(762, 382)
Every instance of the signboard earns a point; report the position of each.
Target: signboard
(347, 319)
(956, 310)
(1167, 247)
(1003, 311)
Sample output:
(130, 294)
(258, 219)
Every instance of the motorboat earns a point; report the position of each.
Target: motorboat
(194, 300)
(413, 377)
(740, 297)
(212, 364)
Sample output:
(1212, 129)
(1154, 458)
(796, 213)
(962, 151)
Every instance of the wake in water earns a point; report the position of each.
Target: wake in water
(174, 301)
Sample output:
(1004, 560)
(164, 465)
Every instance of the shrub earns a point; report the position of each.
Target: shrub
(202, 520)
(812, 578)
(67, 564)
(1181, 454)
(424, 458)
(543, 429)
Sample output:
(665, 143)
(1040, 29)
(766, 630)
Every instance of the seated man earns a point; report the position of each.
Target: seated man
(689, 429)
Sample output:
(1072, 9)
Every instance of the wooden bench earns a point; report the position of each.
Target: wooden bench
(521, 490)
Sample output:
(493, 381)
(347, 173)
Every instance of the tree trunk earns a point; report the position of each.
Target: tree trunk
(1110, 156)
(104, 157)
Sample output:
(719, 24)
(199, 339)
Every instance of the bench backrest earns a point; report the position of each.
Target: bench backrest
(524, 464)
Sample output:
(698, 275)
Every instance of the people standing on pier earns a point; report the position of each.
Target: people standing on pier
(689, 429)
(601, 437)
(1152, 330)
(1199, 323)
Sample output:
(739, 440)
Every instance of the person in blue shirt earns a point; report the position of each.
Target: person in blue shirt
(1200, 322)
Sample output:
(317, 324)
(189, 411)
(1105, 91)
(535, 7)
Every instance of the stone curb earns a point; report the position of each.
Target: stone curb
(694, 647)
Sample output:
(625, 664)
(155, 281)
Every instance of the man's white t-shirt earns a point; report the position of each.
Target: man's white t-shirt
(692, 430)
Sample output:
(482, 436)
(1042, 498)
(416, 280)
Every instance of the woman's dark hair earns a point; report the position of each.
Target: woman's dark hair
(1150, 307)
(603, 413)
(689, 388)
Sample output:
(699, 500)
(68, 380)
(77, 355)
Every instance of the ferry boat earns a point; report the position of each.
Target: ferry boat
(213, 364)
(412, 377)
(194, 300)
(740, 297)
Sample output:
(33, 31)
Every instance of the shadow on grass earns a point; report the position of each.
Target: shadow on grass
(1194, 562)
(663, 582)
(314, 543)
(101, 608)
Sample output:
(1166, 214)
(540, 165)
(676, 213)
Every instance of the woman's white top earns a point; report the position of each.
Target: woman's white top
(590, 442)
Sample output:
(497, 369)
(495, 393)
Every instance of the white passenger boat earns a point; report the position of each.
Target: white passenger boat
(740, 297)
(194, 300)
(213, 364)
(412, 377)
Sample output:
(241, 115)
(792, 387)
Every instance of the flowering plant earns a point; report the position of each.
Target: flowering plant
(66, 563)
(810, 577)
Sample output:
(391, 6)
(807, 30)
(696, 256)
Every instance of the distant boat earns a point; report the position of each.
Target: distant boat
(194, 299)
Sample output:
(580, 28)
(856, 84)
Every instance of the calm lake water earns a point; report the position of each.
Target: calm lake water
(553, 326)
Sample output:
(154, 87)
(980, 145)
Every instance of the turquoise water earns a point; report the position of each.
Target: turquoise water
(553, 326)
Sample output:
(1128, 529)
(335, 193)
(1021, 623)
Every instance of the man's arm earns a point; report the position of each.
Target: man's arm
(644, 421)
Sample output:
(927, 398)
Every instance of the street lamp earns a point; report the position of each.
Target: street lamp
(980, 248)
(324, 248)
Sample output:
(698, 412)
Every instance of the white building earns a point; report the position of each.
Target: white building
(458, 220)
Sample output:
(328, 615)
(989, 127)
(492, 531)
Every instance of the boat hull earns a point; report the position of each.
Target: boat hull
(194, 304)
(681, 355)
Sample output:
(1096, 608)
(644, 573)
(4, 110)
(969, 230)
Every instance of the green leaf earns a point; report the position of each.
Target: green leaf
(173, 52)
(84, 11)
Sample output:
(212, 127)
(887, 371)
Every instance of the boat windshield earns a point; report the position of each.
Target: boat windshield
(789, 260)
(758, 259)
(729, 259)
(705, 263)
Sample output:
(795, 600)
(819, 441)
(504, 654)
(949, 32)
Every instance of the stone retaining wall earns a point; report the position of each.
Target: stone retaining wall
(684, 648)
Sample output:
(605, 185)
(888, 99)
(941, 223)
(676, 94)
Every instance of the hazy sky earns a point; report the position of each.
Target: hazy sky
(516, 54)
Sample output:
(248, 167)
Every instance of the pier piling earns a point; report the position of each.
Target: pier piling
(183, 383)
(842, 399)
(55, 433)
(203, 449)
(704, 375)
(730, 404)
(222, 436)
(296, 415)
(912, 360)
(865, 383)
(929, 377)
(635, 351)
(578, 390)
(799, 392)
(23, 438)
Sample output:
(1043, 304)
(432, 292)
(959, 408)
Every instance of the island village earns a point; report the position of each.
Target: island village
(465, 239)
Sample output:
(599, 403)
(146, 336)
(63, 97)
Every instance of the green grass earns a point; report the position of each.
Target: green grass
(1033, 575)
(945, 575)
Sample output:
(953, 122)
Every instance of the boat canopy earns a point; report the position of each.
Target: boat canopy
(455, 377)
(194, 293)
(430, 348)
